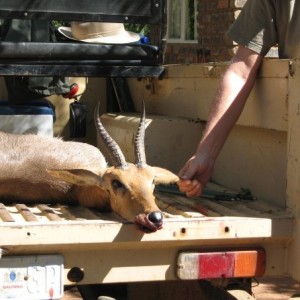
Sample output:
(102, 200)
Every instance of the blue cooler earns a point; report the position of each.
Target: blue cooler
(29, 118)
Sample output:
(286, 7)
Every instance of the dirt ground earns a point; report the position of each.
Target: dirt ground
(268, 288)
(276, 288)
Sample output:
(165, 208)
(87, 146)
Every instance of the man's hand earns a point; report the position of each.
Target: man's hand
(194, 176)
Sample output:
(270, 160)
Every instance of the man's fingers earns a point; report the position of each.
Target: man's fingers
(184, 185)
(191, 188)
(196, 189)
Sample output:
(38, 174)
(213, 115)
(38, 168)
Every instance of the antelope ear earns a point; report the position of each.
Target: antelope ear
(76, 176)
(163, 176)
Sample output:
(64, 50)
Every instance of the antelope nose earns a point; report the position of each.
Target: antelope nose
(156, 217)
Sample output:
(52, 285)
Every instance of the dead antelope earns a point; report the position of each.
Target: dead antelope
(42, 169)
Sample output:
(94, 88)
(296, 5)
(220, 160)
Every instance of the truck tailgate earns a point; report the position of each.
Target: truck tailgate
(110, 249)
(185, 219)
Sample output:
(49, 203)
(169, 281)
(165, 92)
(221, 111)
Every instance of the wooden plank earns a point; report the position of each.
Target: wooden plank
(266, 209)
(26, 213)
(82, 213)
(218, 206)
(49, 213)
(189, 204)
(5, 215)
(167, 204)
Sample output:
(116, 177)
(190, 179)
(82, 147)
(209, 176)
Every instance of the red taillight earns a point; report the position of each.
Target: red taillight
(221, 264)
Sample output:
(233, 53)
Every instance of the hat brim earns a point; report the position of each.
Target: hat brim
(125, 37)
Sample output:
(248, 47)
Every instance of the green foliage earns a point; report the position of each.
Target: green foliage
(57, 24)
(138, 28)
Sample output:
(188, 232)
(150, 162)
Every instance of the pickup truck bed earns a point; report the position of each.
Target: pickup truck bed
(109, 249)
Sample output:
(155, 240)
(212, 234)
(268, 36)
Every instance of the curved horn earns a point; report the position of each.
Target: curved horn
(139, 141)
(118, 158)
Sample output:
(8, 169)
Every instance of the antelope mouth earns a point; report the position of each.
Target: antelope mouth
(143, 223)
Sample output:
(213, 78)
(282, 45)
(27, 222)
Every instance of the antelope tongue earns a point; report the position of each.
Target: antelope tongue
(144, 224)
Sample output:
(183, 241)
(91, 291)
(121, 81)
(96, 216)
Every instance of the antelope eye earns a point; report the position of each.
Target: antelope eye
(116, 184)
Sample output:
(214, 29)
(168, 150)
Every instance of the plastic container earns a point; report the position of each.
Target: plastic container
(29, 118)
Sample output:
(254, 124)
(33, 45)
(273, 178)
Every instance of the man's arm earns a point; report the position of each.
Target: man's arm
(234, 89)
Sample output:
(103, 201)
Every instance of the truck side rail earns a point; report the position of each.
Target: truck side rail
(64, 58)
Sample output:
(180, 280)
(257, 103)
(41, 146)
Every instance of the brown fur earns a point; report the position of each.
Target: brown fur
(25, 159)
(42, 169)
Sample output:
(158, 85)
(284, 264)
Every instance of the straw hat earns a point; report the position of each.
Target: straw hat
(95, 32)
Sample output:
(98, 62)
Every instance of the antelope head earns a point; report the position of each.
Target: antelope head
(127, 187)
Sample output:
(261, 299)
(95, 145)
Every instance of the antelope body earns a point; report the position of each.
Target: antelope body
(42, 169)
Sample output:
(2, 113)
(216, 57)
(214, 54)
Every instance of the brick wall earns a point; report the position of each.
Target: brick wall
(182, 53)
(214, 18)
